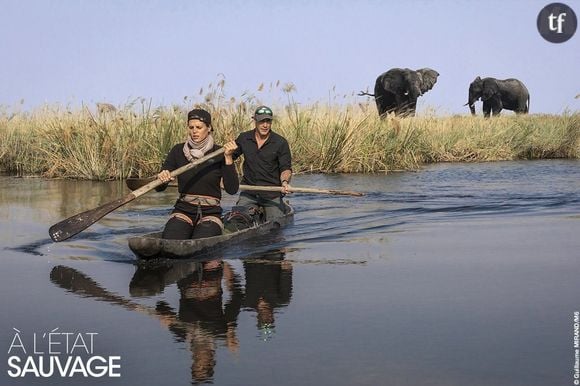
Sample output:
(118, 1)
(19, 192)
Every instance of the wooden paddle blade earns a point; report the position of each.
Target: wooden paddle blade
(79, 222)
(78, 283)
(136, 183)
(74, 281)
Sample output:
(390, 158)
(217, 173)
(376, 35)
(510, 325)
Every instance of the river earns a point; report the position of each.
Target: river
(457, 274)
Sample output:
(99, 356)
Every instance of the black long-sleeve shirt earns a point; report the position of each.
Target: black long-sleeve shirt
(204, 180)
(263, 166)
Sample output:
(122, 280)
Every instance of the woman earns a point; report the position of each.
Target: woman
(197, 212)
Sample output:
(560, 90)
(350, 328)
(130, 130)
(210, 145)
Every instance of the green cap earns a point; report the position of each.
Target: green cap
(263, 113)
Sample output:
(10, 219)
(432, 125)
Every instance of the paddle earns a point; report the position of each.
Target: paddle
(80, 284)
(300, 190)
(79, 222)
(136, 183)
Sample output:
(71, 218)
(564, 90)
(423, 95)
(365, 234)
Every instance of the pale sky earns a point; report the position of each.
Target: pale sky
(71, 51)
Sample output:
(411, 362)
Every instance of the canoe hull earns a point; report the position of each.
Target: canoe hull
(152, 246)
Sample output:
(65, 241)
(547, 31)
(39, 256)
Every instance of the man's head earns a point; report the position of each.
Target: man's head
(263, 120)
(263, 113)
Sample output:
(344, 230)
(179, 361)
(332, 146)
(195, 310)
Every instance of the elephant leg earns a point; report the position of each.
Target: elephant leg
(391, 105)
(411, 107)
(407, 106)
(385, 104)
(380, 107)
(496, 106)
(486, 109)
(521, 109)
(400, 104)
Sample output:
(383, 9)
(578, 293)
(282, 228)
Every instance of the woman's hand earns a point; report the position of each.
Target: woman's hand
(165, 176)
(229, 148)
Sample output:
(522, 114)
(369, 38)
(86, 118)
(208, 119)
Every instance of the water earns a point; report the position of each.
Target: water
(459, 274)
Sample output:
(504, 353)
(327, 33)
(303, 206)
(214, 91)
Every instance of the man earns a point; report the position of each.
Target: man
(267, 162)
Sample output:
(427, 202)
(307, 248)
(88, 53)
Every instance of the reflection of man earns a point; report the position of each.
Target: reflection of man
(268, 286)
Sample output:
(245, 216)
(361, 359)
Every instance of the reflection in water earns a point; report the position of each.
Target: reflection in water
(268, 287)
(202, 319)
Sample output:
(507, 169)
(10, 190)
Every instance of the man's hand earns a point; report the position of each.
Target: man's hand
(285, 177)
(286, 187)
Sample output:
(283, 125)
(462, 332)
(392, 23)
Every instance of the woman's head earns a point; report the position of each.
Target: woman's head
(198, 124)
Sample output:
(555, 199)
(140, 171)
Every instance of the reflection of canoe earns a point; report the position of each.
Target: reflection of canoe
(152, 246)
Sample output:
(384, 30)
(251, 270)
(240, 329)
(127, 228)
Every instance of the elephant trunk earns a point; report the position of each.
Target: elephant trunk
(471, 102)
(471, 108)
(414, 92)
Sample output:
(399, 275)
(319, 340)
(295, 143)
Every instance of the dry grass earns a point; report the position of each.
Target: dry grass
(108, 142)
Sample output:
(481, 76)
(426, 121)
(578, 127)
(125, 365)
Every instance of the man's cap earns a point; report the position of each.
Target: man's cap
(200, 114)
(262, 113)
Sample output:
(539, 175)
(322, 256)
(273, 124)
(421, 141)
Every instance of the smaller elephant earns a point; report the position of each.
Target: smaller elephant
(397, 90)
(496, 94)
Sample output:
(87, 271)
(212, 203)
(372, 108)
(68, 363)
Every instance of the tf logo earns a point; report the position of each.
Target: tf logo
(557, 22)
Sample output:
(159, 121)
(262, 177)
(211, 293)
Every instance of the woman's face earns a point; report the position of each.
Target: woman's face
(198, 130)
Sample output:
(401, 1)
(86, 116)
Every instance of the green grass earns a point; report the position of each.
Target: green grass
(347, 138)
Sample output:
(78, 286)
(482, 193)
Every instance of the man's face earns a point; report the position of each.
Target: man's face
(264, 127)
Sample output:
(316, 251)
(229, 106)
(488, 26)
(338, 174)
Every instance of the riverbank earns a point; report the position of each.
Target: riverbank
(115, 143)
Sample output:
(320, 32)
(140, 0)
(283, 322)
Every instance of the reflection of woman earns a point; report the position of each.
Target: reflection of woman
(200, 307)
(197, 212)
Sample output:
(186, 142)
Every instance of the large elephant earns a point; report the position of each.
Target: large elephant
(496, 94)
(397, 90)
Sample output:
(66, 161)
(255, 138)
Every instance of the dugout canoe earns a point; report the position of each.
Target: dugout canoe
(152, 246)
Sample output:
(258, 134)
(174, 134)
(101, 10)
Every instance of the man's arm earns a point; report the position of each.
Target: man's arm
(285, 177)
(285, 164)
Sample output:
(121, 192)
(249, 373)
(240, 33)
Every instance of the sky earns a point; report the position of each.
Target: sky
(72, 52)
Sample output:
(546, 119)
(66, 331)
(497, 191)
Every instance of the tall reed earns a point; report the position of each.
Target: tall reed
(132, 140)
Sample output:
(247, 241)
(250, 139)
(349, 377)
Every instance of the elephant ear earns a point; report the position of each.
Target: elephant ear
(429, 79)
(383, 84)
(490, 88)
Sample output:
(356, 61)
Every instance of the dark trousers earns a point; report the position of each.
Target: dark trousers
(177, 229)
(274, 207)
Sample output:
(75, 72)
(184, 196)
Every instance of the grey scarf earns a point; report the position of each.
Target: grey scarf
(195, 150)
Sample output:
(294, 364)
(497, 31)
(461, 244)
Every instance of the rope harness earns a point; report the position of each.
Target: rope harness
(199, 201)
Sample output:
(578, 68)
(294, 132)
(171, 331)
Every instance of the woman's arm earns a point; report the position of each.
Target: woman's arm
(230, 176)
(169, 164)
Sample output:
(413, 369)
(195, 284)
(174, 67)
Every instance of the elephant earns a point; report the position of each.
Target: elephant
(397, 90)
(496, 94)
